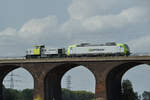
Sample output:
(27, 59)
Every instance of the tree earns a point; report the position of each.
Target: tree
(11, 94)
(127, 91)
(76, 95)
(67, 94)
(83, 95)
(146, 95)
(27, 94)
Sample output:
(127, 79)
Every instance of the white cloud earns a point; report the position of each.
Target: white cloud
(8, 32)
(140, 45)
(37, 27)
(100, 15)
(32, 32)
(80, 9)
(127, 16)
(136, 14)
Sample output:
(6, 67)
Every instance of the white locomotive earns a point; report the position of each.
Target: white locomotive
(81, 50)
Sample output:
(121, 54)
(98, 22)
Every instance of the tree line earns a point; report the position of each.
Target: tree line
(27, 94)
(76, 95)
(13, 94)
(127, 93)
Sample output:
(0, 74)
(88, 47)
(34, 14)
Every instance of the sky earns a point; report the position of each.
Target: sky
(59, 23)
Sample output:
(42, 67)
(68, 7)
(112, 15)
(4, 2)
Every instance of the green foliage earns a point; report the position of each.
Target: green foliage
(146, 95)
(127, 91)
(27, 94)
(12, 94)
(76, 95)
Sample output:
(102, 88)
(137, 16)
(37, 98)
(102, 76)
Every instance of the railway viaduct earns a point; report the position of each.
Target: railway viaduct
(47, 74)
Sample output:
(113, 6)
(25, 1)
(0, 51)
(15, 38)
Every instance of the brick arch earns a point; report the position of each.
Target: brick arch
(53, 79)
(114, 77)
(8, 68)
(28, 69)
(4, 70)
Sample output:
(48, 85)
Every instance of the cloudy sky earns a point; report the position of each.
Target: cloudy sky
(59, 23)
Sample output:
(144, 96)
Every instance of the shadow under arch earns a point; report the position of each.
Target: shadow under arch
(114, 77)
(5, 70)
(52, 80)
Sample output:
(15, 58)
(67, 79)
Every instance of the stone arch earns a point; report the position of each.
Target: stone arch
(4, 70)
(114, 77)
(52, 80)
(80, 77)
(30, 71)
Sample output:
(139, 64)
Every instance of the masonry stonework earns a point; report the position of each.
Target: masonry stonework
(47, 74)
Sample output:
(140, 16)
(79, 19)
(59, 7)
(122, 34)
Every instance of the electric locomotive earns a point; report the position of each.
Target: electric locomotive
(108, 49)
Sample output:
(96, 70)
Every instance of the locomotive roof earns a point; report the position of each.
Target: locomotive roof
(88, 44)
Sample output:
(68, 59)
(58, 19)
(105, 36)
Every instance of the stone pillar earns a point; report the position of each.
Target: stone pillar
(57, 90)
(1, 90)
(38, 89)
(103, 86)
(49, 85)
(52, 87)
(100, 92)
(38, 75)
(98, 70)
